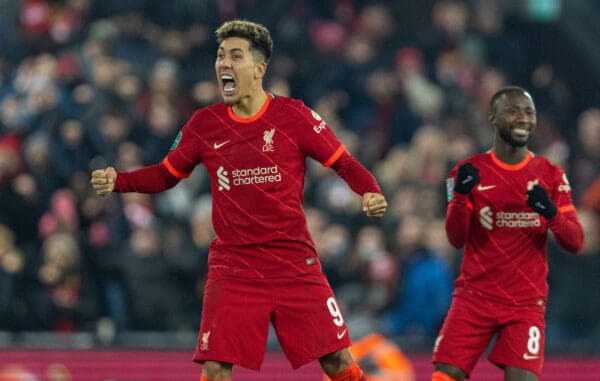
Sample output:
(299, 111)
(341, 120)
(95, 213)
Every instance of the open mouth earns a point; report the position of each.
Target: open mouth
(228, 84)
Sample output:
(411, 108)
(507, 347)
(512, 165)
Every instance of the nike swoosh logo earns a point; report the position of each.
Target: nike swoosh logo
(527, 356)
(482, 188)
(341, 334)
(219, 145)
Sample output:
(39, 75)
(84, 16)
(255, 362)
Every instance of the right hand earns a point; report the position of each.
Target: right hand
(374, 204)
(467, 178)
(103, 180)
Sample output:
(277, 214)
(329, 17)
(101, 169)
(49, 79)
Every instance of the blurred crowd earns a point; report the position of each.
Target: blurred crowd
(405, 85)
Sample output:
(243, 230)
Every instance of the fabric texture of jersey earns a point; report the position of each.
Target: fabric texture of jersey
(504, 240)
(257, 168)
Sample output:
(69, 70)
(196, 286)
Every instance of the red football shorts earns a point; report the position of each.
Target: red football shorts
(471, 324)
(236, 314)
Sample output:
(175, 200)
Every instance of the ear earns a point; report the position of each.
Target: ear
(260, 69)
(492, 118)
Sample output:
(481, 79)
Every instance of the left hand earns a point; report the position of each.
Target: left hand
(374, 204)
(540, 202)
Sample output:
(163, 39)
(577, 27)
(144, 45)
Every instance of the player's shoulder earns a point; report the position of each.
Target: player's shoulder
(205, 115)
(480, 157)
(286, 101)
(297, 110)
(215, 109)
(475, 159)
(543, 163)
(293, 105)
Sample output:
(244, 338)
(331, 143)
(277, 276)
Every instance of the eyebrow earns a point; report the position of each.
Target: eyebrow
(517, 107)
(232, 50)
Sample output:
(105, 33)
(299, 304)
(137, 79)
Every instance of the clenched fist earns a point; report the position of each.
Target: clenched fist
(103, 180)
(374, 204)
(466, 179)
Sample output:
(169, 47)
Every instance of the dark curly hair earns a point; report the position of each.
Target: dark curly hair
(257, 34)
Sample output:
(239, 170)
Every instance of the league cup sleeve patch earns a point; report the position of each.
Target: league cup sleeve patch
(176, 141)
(449, 188)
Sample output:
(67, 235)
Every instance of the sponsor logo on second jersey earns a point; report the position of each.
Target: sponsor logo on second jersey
(488, 219)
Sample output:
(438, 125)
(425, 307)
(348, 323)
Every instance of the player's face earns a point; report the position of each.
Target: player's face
(237, 71)
(515, 118)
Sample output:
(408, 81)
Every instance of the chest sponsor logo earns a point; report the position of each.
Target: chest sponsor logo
(502, 219)
(268, 138)
(247, 176)
(486, 218)
(223, 179)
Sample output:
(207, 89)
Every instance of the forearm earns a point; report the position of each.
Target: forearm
(358, 178)
(567, 231)
(152, 179)
(458, 220)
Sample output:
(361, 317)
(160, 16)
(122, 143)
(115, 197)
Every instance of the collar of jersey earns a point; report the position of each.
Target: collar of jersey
(510, 167)
(254, 117)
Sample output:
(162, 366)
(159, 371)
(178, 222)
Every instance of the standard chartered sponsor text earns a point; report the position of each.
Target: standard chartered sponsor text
(517, 219)
(258, 175)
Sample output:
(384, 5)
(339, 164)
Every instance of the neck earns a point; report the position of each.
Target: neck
(510, 154)
(250, 104)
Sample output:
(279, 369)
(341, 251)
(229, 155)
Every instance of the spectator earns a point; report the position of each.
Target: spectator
(404, 84)
(426, 274)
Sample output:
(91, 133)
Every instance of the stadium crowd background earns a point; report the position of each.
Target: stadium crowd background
(405, 85)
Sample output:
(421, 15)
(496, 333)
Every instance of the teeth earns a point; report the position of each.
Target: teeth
(226, 77)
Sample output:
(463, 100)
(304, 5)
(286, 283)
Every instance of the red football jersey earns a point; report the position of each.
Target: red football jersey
(257, 167)
(504, 240)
